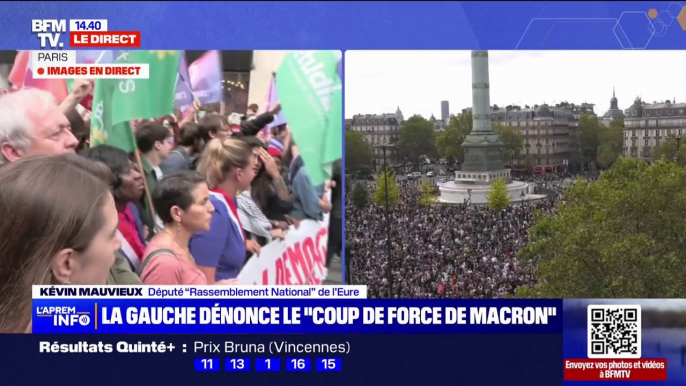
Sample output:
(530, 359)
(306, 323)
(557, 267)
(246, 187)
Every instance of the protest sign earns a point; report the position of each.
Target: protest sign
(300, 259)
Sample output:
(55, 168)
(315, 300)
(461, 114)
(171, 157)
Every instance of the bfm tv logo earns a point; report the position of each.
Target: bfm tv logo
(64, 316)
(82, 33)
(49, 31)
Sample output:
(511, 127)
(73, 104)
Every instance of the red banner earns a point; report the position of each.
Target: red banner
(615, 370)
(107, 39)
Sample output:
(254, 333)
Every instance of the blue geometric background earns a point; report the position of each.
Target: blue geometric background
(365, 25)
(632, 30)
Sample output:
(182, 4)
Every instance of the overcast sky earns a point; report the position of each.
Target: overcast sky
(378, 81)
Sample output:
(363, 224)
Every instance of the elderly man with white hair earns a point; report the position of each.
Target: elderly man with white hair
(32, 123)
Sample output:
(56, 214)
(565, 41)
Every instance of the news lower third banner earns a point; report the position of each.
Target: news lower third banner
(251, 309)
(639, 340)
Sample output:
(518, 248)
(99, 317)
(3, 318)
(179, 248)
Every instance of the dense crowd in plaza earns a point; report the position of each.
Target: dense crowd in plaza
(451, 251)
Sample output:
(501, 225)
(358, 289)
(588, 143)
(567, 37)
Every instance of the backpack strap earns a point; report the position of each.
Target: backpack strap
(151, 255)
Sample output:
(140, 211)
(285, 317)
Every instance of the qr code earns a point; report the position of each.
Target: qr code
(614, 331)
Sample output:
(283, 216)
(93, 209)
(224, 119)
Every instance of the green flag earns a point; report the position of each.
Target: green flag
(116, 102)
(103, 131)
(310, 93)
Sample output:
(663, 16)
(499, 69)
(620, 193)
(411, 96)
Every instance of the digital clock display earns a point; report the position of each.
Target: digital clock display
(87, 25)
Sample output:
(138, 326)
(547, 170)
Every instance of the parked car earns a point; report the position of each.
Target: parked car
(414, 175)
(430, 174)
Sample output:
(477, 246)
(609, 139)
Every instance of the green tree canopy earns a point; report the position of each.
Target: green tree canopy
(449, 142)
(668, 151)
(497, 195)
(428, 192)
(512, 143)
(360, 196)
(617, 122)
(622, 236)
(358, 152)
(416, 138)
(590, 134)
(393, 189)
(575, 158)
(611, 142)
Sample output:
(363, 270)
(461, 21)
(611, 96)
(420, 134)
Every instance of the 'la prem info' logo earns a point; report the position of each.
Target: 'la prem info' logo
(64, 316)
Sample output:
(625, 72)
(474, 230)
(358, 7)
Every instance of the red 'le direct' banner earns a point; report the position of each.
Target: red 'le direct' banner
(105, 39)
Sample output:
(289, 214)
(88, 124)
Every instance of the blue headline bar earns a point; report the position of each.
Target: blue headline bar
(295, 316)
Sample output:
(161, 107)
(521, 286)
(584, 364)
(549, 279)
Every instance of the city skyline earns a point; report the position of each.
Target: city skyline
(374, 79)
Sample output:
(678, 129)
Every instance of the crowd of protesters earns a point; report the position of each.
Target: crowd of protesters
(444, 251)
(74, 214)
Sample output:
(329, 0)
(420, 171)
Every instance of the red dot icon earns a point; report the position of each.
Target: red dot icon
(41, 71)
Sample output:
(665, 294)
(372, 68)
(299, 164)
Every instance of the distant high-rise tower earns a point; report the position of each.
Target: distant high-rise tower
(445, 111)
